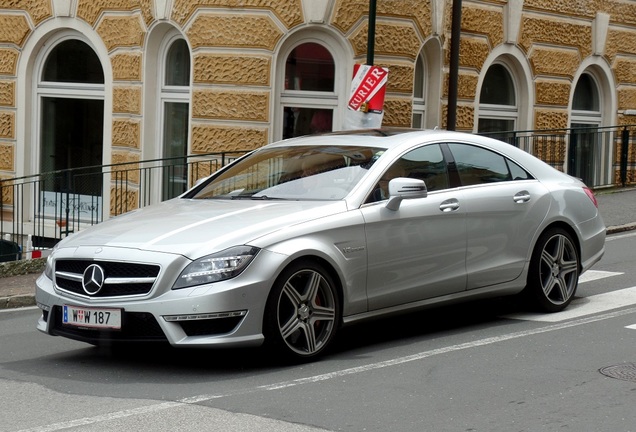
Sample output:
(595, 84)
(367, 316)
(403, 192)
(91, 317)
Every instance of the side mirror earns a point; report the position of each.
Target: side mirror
(405, 188)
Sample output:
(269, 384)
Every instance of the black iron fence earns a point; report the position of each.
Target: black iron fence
(37, 211)
(600, 156)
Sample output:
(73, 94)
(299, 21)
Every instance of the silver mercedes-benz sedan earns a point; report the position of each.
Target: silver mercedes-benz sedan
(300, 237)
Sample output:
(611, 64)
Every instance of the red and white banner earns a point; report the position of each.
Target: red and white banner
(368, 87)
(366, 100)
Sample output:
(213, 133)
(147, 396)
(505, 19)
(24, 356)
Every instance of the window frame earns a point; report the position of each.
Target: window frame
(170, 94)
(43, 89)
(489, 111)
(506, 161)
(288, 98)
(420, 74)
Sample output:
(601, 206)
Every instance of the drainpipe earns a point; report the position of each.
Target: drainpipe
(451, 118)
(624, 155)
(371, 33)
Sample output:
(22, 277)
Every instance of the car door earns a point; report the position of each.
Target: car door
(504, 208)
(418, 251)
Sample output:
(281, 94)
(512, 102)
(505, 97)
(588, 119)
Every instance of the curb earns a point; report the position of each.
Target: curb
(16, 302)
(621, 228)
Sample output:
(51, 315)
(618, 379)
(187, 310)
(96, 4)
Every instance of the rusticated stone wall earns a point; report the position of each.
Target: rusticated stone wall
(15, 28)
(127, 67)
(215, 139)
(127, 133)
(38, 10)
(347, 13)
(7, 156)
(7, 150)
(289, 12)
(245, 70)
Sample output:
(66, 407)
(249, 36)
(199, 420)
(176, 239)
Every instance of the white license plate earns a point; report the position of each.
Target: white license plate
(92, 317)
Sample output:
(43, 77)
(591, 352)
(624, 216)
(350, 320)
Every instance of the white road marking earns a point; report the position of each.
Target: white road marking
(331, 375)
(631, 327)
(592, 275)
(582, 306)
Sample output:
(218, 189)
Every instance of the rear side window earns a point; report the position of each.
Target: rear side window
(476, 165)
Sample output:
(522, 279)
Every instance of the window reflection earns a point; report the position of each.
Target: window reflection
(498, 88)
(73, 61)
(304, 121)
(310, 67)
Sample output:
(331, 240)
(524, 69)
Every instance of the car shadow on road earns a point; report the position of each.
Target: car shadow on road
(163, 363)
(434, 322)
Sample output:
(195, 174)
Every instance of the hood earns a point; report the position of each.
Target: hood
(195, 228)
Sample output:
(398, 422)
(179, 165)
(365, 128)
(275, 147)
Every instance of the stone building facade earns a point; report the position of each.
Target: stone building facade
(131, 80)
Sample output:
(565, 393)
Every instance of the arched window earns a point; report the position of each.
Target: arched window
(498, 110)
(70, 118)
(309, 95)
(586, 97)
(60, 67)
(419, 94)
(174, 97)
(584, 151)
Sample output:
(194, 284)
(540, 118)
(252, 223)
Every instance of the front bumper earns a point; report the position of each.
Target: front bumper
(227, 313)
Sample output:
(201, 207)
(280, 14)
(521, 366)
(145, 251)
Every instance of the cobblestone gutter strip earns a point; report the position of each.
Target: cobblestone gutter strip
(23, 267)
(17, 301)
(621, 228)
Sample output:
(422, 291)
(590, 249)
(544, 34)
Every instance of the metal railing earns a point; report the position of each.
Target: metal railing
(39, 210)
(600, 156)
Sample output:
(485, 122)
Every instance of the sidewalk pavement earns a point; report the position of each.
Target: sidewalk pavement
(618, 208)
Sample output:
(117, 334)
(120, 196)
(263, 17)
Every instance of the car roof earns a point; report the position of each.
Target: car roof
(381, 137)
(402, 138)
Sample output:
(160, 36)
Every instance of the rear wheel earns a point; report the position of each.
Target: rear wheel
(303, 311)
(554, 271)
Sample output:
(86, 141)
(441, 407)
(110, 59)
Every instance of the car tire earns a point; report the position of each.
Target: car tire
(554, 271)
(302, 314)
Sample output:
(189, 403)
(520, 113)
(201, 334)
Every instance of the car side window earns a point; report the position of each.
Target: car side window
(476, 165)
(425, 163)
(517, 172)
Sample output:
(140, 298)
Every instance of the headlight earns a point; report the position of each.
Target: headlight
(216, 267)
(48, 269)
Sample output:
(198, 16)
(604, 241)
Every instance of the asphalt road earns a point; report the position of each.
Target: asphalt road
(476, 367)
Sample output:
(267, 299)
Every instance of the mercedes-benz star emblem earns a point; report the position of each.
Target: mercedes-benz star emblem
(93, 279)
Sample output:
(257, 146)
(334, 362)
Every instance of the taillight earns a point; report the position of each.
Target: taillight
(590, 194)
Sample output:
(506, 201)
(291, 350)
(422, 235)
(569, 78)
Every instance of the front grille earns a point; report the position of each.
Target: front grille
(121, 278)
(135, 327)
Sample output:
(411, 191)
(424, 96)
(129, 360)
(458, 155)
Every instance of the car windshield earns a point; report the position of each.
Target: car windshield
(294, 173)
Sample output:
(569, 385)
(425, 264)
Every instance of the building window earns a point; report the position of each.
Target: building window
(584, 150)
(309, 95)
(419, 94)
(498, 110)
(586, 96)
(175, 113)
(70, 101)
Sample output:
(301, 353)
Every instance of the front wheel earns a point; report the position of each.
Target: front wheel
(554, 271)
(302, 312)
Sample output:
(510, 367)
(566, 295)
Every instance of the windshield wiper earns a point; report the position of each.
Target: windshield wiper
(265, 197)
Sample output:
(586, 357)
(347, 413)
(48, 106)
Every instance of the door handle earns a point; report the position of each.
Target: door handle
(449, 205)
(521, 197)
